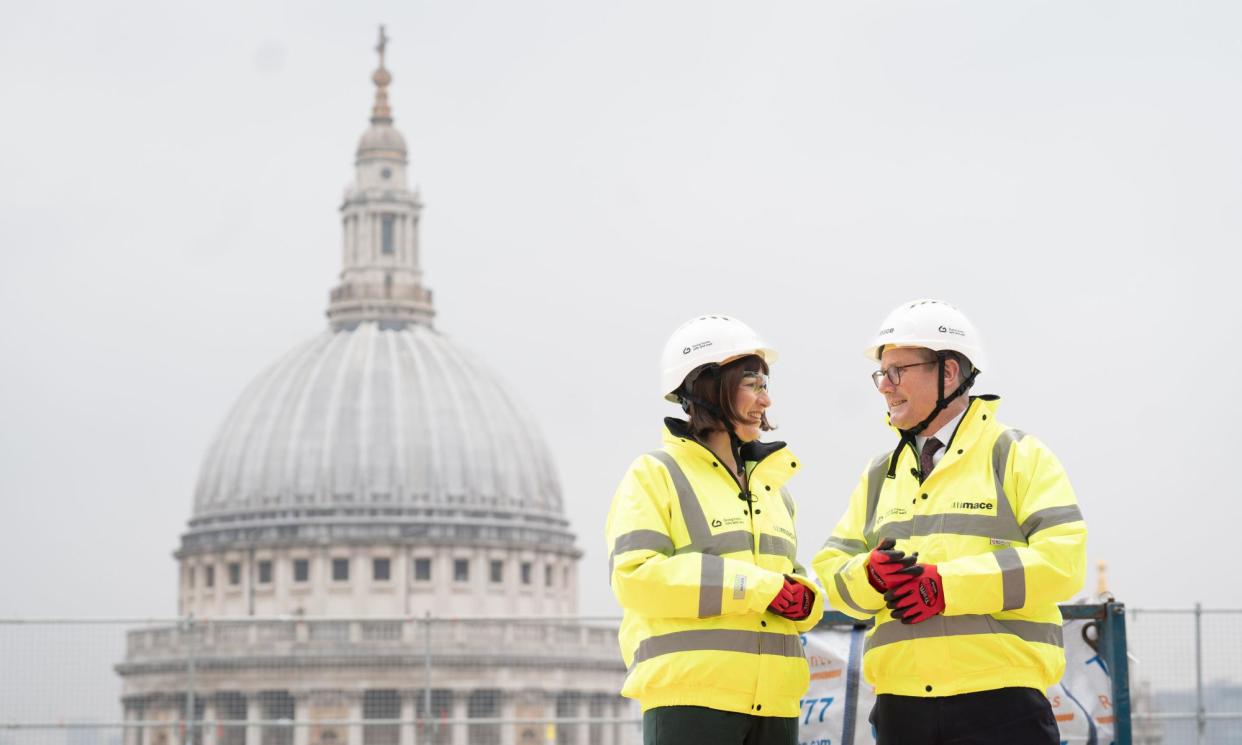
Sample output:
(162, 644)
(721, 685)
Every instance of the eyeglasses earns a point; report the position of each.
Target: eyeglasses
(756, 383)
(895, 372)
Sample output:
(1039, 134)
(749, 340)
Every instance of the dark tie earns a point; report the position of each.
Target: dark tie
(926, 464)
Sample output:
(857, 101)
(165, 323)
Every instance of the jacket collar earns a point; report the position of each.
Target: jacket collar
(677, 436)
(979, 417)
(980, 412)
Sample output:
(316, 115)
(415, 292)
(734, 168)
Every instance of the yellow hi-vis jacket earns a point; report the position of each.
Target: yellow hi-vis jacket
(998, 518)
(695, 565)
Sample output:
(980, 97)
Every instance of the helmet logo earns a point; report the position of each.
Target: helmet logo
(889, 331)
(696, 346)
(952, 331)
(686, 350)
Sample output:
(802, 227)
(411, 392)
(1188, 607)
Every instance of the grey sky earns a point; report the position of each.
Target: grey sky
(594, 173)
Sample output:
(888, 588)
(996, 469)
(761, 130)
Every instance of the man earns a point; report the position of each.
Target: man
(960, 543)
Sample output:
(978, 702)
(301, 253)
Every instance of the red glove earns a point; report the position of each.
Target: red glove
(919, 598)
(794, 601)
(884, 566)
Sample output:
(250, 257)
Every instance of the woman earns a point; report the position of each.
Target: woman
(704, 554)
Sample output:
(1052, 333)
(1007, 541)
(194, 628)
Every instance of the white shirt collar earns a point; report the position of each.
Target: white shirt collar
(945, 433)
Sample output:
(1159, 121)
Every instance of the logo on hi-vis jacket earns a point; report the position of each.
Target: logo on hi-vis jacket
(973, 506)
(892, 512)
(731, 521)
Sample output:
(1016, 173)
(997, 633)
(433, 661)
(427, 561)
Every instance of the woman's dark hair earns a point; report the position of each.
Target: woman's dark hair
(717, 387)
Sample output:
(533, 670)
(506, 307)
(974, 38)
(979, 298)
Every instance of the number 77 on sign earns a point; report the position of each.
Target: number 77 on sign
(809, 705)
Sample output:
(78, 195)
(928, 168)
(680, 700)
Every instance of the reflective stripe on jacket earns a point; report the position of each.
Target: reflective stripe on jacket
(998, 518)
(695, 567)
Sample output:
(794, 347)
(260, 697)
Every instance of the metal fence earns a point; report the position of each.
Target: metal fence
(323, 681)
(1186, 675)
(516, 681)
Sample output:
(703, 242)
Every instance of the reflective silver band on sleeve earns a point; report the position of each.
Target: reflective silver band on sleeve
(844, 591)
(1049, 517)
(639, 540)
(711, 586)
(1013, 579)
(846, 545)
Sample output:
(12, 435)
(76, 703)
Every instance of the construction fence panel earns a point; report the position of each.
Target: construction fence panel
(1186, 675)
(521, 681)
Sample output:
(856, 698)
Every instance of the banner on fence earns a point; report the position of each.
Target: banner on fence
(838, 701)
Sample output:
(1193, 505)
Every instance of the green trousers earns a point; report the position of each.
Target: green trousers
(691, 725)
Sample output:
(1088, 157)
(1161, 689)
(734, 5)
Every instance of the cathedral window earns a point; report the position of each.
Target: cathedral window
(484, 704)
(497, 570)
(340, 570)
(461, 570)
(381, 705)
(231, 708)
(234, 573)
(273, 706)
(526, 570)
(547, 575)
(381, 570)
(422, 570)
(210, 579)
(301, 570)
(265, 572)
(386, 233)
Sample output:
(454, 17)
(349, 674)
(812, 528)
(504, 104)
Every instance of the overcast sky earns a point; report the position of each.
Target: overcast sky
(1068, 173)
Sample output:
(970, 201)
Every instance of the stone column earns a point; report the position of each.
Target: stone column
(460, 732)
(408, 711)
(209, 715)
(301, 713)
(254, 713)
(133, 735)
(508, 710)
(354, 702)
(398, 239)
(618, 711)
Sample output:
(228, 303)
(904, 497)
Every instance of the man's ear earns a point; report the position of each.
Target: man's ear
(952, 373)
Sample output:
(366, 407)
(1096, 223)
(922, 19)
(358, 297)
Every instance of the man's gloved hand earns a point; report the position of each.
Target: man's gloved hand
(884, 566)
(920, 598)
(794, 601)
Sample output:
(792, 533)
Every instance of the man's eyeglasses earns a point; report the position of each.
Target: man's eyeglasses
(895, 372)
(756, 383)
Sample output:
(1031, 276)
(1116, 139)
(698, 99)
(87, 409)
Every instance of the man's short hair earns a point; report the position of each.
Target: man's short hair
(964, 365)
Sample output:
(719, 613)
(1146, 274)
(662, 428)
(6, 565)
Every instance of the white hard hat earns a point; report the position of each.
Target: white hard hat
(707, 340)
(931, 324)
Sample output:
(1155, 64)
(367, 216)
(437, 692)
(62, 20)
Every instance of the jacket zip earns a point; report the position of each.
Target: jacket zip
(750, 504)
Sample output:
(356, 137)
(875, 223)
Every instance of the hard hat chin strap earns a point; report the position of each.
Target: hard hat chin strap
(942, 402)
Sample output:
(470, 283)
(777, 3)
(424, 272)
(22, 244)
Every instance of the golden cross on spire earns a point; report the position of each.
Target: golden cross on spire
(381, 113)
(382, 45)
